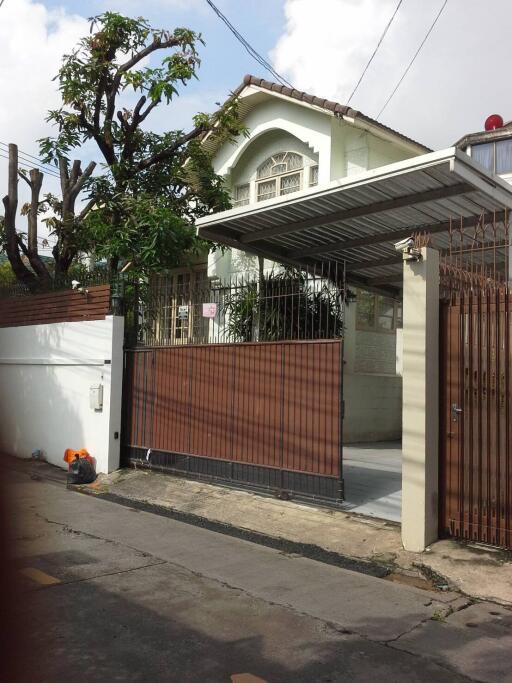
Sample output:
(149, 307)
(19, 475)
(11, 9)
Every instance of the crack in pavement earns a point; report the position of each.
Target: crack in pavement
(64, 582)
(66, 527)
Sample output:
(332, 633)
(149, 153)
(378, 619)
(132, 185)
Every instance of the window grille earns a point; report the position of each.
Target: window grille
(290, 183)
(280, 174)
(266, 190)
(241, 195)
(284, 162)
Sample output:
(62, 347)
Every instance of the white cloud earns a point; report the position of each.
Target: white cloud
(33, 40)
(459, 78)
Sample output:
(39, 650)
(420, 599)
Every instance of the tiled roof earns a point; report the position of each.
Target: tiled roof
(329, 105)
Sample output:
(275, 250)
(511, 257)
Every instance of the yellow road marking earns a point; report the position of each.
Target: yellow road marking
(39, 577)
(246, 678)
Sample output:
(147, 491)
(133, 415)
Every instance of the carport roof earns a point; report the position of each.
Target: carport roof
(357, 219)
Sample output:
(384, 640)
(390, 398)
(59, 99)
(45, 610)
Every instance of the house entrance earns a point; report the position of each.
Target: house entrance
(259, 404)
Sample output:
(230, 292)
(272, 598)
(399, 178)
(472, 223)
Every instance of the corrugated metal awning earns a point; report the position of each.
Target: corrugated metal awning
(357, 220)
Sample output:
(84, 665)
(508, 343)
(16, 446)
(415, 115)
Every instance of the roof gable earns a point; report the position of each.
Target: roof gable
(334, 108)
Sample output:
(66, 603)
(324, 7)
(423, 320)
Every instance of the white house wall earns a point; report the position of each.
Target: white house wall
(262, 148)
(46, 372)
(382, 152)
(310, 126)
(372, 388)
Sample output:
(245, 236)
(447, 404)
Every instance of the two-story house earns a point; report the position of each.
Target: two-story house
(296, 142)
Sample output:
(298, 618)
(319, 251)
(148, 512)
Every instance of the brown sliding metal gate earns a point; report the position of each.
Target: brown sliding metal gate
(263, 414)
(475, 426)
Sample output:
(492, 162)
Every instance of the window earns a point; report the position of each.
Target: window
(376, 313)
(241, 195)
(484, 155)
(290, 183)
(504, 156)
(385, 314)
(179, 317)
(313, 175)
(280, 174)
(266, 190)
(494, 156)
(365, 317)
(283, 162)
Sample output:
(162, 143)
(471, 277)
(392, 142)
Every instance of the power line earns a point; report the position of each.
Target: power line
(38, 164)
(252, 51)
(34, 161)
(375, 51)
(413, 59)
(31, 156)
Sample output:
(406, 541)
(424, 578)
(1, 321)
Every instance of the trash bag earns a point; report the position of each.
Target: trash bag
(81, 471)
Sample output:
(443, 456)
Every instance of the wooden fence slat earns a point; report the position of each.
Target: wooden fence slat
(53, 307)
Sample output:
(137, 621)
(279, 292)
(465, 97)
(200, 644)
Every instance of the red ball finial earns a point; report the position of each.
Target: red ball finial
(493, 121)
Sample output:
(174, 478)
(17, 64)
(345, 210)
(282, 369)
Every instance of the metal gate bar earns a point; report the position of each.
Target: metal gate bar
(475, 447)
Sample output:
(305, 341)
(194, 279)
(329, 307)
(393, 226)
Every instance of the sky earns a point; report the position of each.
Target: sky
(320, 46)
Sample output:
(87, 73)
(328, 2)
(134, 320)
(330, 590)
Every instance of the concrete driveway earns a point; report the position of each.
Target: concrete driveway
(373, 479)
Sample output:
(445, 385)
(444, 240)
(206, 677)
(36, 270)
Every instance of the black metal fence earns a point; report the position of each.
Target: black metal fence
(82, 277)
(189, 308)
(186, 307)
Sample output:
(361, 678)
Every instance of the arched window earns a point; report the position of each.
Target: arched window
(279, 174)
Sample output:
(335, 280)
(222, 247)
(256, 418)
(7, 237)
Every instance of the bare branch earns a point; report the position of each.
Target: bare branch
(78, 186)
(122, 121)
(148, 110)
(136, 111)
(64, 175)
(102, 89)
(170, 151)
(36, 182)
(10, 201)
(157, 44)
(24, 177)
(75, 171)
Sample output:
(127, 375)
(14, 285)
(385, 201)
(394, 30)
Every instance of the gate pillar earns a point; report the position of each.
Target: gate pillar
(420, 416)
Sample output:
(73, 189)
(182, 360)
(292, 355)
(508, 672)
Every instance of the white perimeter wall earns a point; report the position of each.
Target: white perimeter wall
(45, 375)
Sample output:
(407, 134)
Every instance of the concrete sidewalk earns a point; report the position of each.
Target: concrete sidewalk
(476, 571)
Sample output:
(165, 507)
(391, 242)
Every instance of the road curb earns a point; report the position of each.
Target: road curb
(307, 550)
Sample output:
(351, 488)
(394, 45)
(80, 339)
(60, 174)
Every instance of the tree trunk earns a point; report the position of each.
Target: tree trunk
(10, 201)
(38, 266)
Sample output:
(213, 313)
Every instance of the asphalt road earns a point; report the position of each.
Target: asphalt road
(103, 592)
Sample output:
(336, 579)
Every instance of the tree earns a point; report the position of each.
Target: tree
(153, 186)
(22, 248)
